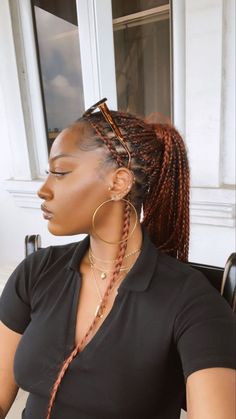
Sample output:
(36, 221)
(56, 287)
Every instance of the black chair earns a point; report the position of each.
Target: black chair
(223, 279)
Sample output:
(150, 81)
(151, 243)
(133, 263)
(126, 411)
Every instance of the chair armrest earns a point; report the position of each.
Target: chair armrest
(228, 285)
(32, 243)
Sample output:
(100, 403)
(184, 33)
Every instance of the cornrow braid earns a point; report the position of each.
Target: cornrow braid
(162, 181)
(110, 145)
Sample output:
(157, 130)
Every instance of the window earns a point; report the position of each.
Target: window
(57, 39)
(143, 56)
(126, 7)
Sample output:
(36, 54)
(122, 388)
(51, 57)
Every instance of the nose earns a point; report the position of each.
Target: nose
(44, 192)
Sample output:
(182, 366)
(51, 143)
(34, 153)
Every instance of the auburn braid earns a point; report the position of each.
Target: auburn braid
(166, 207)
(110, 145)
(80, 345)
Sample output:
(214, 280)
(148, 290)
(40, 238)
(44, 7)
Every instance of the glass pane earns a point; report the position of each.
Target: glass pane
(127, 7)
(59, 57)
(142, 56)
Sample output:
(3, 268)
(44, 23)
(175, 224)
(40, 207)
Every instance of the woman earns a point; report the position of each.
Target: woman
(117, 325)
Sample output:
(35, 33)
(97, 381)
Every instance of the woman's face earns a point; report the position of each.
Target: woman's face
(73, 194)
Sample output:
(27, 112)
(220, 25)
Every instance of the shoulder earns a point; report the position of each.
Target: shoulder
(44, 261)
(21, 286)
(177, 273)
(184, 287)
(46, 258)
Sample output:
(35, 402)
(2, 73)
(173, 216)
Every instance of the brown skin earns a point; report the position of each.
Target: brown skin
(73, 198)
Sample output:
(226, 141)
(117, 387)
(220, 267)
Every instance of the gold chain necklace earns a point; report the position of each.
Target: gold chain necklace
(112, 260)
(100, 296)
(104, 271)
(98, 292)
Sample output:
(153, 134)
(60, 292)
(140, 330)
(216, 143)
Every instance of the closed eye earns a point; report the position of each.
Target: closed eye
(57, 174)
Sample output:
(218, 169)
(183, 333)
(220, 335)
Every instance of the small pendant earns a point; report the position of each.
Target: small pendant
(103, 275)
(97, 311)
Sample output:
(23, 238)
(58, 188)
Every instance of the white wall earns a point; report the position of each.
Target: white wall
(204, 111)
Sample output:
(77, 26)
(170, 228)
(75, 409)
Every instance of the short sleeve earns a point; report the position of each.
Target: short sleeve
(14, 300)
(205, 327)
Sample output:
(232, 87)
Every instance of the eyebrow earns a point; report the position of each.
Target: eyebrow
(63, 155)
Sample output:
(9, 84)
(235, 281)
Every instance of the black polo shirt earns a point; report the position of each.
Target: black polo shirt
(167, 321)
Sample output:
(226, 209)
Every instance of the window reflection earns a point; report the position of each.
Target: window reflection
(142, 57)
(59, 61)
(127, 7)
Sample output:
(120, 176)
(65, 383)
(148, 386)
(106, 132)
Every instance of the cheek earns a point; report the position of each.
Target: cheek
(77, 201)
(84, 195)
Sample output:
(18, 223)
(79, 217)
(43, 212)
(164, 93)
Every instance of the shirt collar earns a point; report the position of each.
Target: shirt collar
(142, 271)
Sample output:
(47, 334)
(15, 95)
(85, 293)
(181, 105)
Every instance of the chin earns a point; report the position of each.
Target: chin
(57, 230)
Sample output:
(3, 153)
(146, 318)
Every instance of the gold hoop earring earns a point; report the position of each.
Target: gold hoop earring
(101, 205)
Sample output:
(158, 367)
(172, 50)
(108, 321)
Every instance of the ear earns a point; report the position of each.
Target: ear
(121, 183)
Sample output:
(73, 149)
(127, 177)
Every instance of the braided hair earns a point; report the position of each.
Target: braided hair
(161, 189)
(162, 179)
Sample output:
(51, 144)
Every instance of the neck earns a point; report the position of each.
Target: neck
(109, 252)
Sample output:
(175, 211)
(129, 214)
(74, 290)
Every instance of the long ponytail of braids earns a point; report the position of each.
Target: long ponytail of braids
(162, 180)
(166, 206)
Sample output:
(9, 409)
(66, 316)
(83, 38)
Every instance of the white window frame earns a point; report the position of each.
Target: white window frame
(29, 90)
(96, 45)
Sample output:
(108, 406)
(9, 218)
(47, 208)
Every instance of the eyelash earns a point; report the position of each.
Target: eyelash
(57, 174)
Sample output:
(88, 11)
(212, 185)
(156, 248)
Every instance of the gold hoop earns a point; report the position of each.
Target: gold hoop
(101, 205)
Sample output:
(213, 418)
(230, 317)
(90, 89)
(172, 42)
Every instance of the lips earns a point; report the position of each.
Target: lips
(46, 214)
